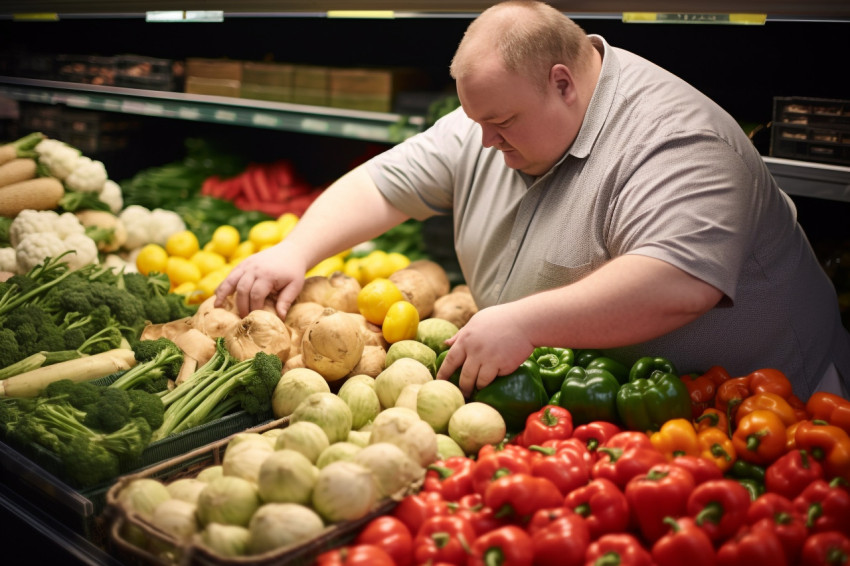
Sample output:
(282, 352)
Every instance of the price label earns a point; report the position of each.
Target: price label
(225, 116)
(264, 120)
(78, 101)
(154, 109)
(313, 125)
(112, 105)
(688, 18)
(132, 107)
(187, 113)
(360, 131)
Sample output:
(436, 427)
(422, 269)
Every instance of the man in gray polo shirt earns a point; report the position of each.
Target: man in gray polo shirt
(598, 202)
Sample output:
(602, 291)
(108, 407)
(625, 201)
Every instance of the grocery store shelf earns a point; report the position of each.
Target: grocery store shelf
(818, 180)
(826, 8)
(318, 120)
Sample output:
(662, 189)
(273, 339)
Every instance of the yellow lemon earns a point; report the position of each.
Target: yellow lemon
(181, 270)
(265, 233)
(208, 262)
(185, 289)
(182, 244)
(326, 267)
(287, 222)
(152, 258)
(401, 322)
(225, 240)
(209, 282)
(243, 250)
(353, 267)
(376, 265)
(375, 298)
(397, 261)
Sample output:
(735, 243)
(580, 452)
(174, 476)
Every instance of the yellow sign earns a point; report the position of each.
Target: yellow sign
(369, 14)
(36, 17)
(687, 18)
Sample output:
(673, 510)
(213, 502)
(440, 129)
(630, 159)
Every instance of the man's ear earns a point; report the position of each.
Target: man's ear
(562, 78)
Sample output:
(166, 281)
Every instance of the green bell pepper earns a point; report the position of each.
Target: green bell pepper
(742, 470)
(515, 395)
(644, 404)
(584, 357)
(617, 369)
(644, 367)
(554, 363)
(590, 395)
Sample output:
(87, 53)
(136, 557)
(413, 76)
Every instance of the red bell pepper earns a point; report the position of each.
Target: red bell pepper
(451, 478)
(390, 534)
(604, 507)
(628, 439)
(748, 547)
(594, 434)
(572, 444)
(661, 492)
(552, 422)
(701, 389)
(789, 528)
(559, 536)
(828, 444)
(505, 546)
(619, 549)
(482, 518)
(831, 408)
(355, 555)
(826, 549)
(619, 465)
(791, 473)
(826, 506)
(700, 468)
(414, 509)
(719, 507)
(521, 495)
(566, 469)
(445, 539)
(683, 543)
(494, 465)
(769, 505)
(504, 448)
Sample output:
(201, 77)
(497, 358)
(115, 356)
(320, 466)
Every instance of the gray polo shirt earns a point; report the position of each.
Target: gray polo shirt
(659, 170)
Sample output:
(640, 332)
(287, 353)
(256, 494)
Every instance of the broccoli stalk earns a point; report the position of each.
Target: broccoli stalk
(157, 361)
(251, 382)
(45, 275)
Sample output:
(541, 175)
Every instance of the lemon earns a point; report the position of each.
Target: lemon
(185, 289)
(287, 222)
(375, 298)
(353, 267)
(401, 322)
(209, 282)
(208, 262)
(152, 258)
(376, 265)
(182, 244)
(265, 233)
(326, 267)
(243, 250)
(397, 261)
(181, 270)
(225, 240)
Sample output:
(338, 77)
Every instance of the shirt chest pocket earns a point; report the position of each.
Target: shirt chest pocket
(557, 275)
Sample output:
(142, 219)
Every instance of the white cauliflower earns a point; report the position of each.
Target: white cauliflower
(8, 260)
(38, 221)
(111, 194)
(146, 226)
(85, 251)
(59, 158)
(35, 247)
(164, 223)
(87, 176)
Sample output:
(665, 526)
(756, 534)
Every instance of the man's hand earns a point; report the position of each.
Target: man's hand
(277, 271)
(492, 343)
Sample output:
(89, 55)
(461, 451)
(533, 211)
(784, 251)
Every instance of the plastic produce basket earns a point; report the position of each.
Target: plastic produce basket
(136, 541)
(811, 129)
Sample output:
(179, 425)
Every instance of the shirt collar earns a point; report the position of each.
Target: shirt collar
(600, 102)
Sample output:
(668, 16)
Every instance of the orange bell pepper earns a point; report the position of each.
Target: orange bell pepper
(770, 381)
(712, 418)
(828, 444)
(770, 402)
(799, 408)
(831, 408)
(730, 394)
(676, 437)
(760, 437)
(791, 437)
(715, 445)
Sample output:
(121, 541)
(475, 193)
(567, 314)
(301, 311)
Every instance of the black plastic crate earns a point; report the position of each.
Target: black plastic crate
(151, 73)
(88, 69)
(811, 129)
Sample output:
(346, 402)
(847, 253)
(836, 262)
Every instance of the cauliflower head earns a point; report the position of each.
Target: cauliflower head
(88, 176)
(35, 247)
(111, 194)
(8, 260)
(84, 248)
(59, 158)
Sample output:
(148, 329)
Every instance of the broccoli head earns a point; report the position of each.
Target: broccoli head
(10, 351)
(147, 406)
(109, 412)
(178, 307)
(88, 462)
(79, 395)
(155, 360)
(257, 385)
